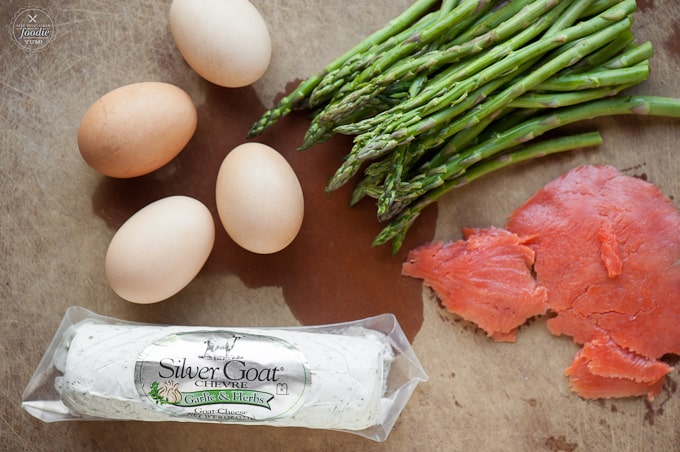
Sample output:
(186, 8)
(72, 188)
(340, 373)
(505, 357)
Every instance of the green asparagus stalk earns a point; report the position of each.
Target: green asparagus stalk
(386, 199)
(522, 133)
(525, 22)
(298, 95)
(598, 6)
(334, 80)
(434, 176)
(490, 20)
(459, 141)
(448, 5)
(596, 79)
(405, 156)
(355, 159)
(426, 35)
(534, 150)
(438, 90)
(510, 118)
(396, 231)
(637, 54)
(462, 26)
(606, 53)
(377, 141)
(585, 46)
(403, 161)
(557, 100)
(570, 16)
(328, 118)
(520, 21)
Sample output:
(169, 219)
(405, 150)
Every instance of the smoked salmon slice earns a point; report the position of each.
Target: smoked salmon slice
(607, 261)
(602, 369)
(485, 279)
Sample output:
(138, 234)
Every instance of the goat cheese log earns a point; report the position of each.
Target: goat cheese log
(238, 375)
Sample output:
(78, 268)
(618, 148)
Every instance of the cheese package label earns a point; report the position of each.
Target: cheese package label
(223, 376)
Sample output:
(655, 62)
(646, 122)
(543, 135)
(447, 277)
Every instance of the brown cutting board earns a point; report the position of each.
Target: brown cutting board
(57, 216)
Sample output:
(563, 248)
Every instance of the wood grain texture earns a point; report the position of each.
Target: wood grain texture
(481, 395)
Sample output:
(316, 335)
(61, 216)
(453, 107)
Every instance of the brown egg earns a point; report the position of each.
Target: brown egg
(136, 129)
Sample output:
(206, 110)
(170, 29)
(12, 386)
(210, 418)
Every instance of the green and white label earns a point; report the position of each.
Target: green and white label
(222, 376)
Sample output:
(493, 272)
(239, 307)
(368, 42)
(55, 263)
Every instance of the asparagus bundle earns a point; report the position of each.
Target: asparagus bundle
(450, 91)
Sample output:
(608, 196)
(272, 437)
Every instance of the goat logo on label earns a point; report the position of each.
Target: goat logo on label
(219, 347)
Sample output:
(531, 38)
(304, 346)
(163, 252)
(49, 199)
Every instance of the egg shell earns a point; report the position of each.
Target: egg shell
(259, 198)
(160, 249)
(137, 128)
(226, 42)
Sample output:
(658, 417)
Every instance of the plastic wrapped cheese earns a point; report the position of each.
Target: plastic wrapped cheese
(354, 376)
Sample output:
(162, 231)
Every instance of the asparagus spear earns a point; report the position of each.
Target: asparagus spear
(324, 121)
(637, 54)
(286, 105)
(334, 80)
(570, 16)
(598, 6)
(396, 231)
(452, 75)
(386, 193)
(557, 100)
(376, 141)
(484, 113)
(355, 158)
(490, 20)
(524, 132)
(389, 176)
(609, 51)
(443, 155)
(596, 79)
(446, 56)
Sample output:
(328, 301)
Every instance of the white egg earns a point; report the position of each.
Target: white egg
(259, 198)
(160, 249)
(226, 42)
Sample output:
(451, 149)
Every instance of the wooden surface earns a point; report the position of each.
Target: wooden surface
(53, 237)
